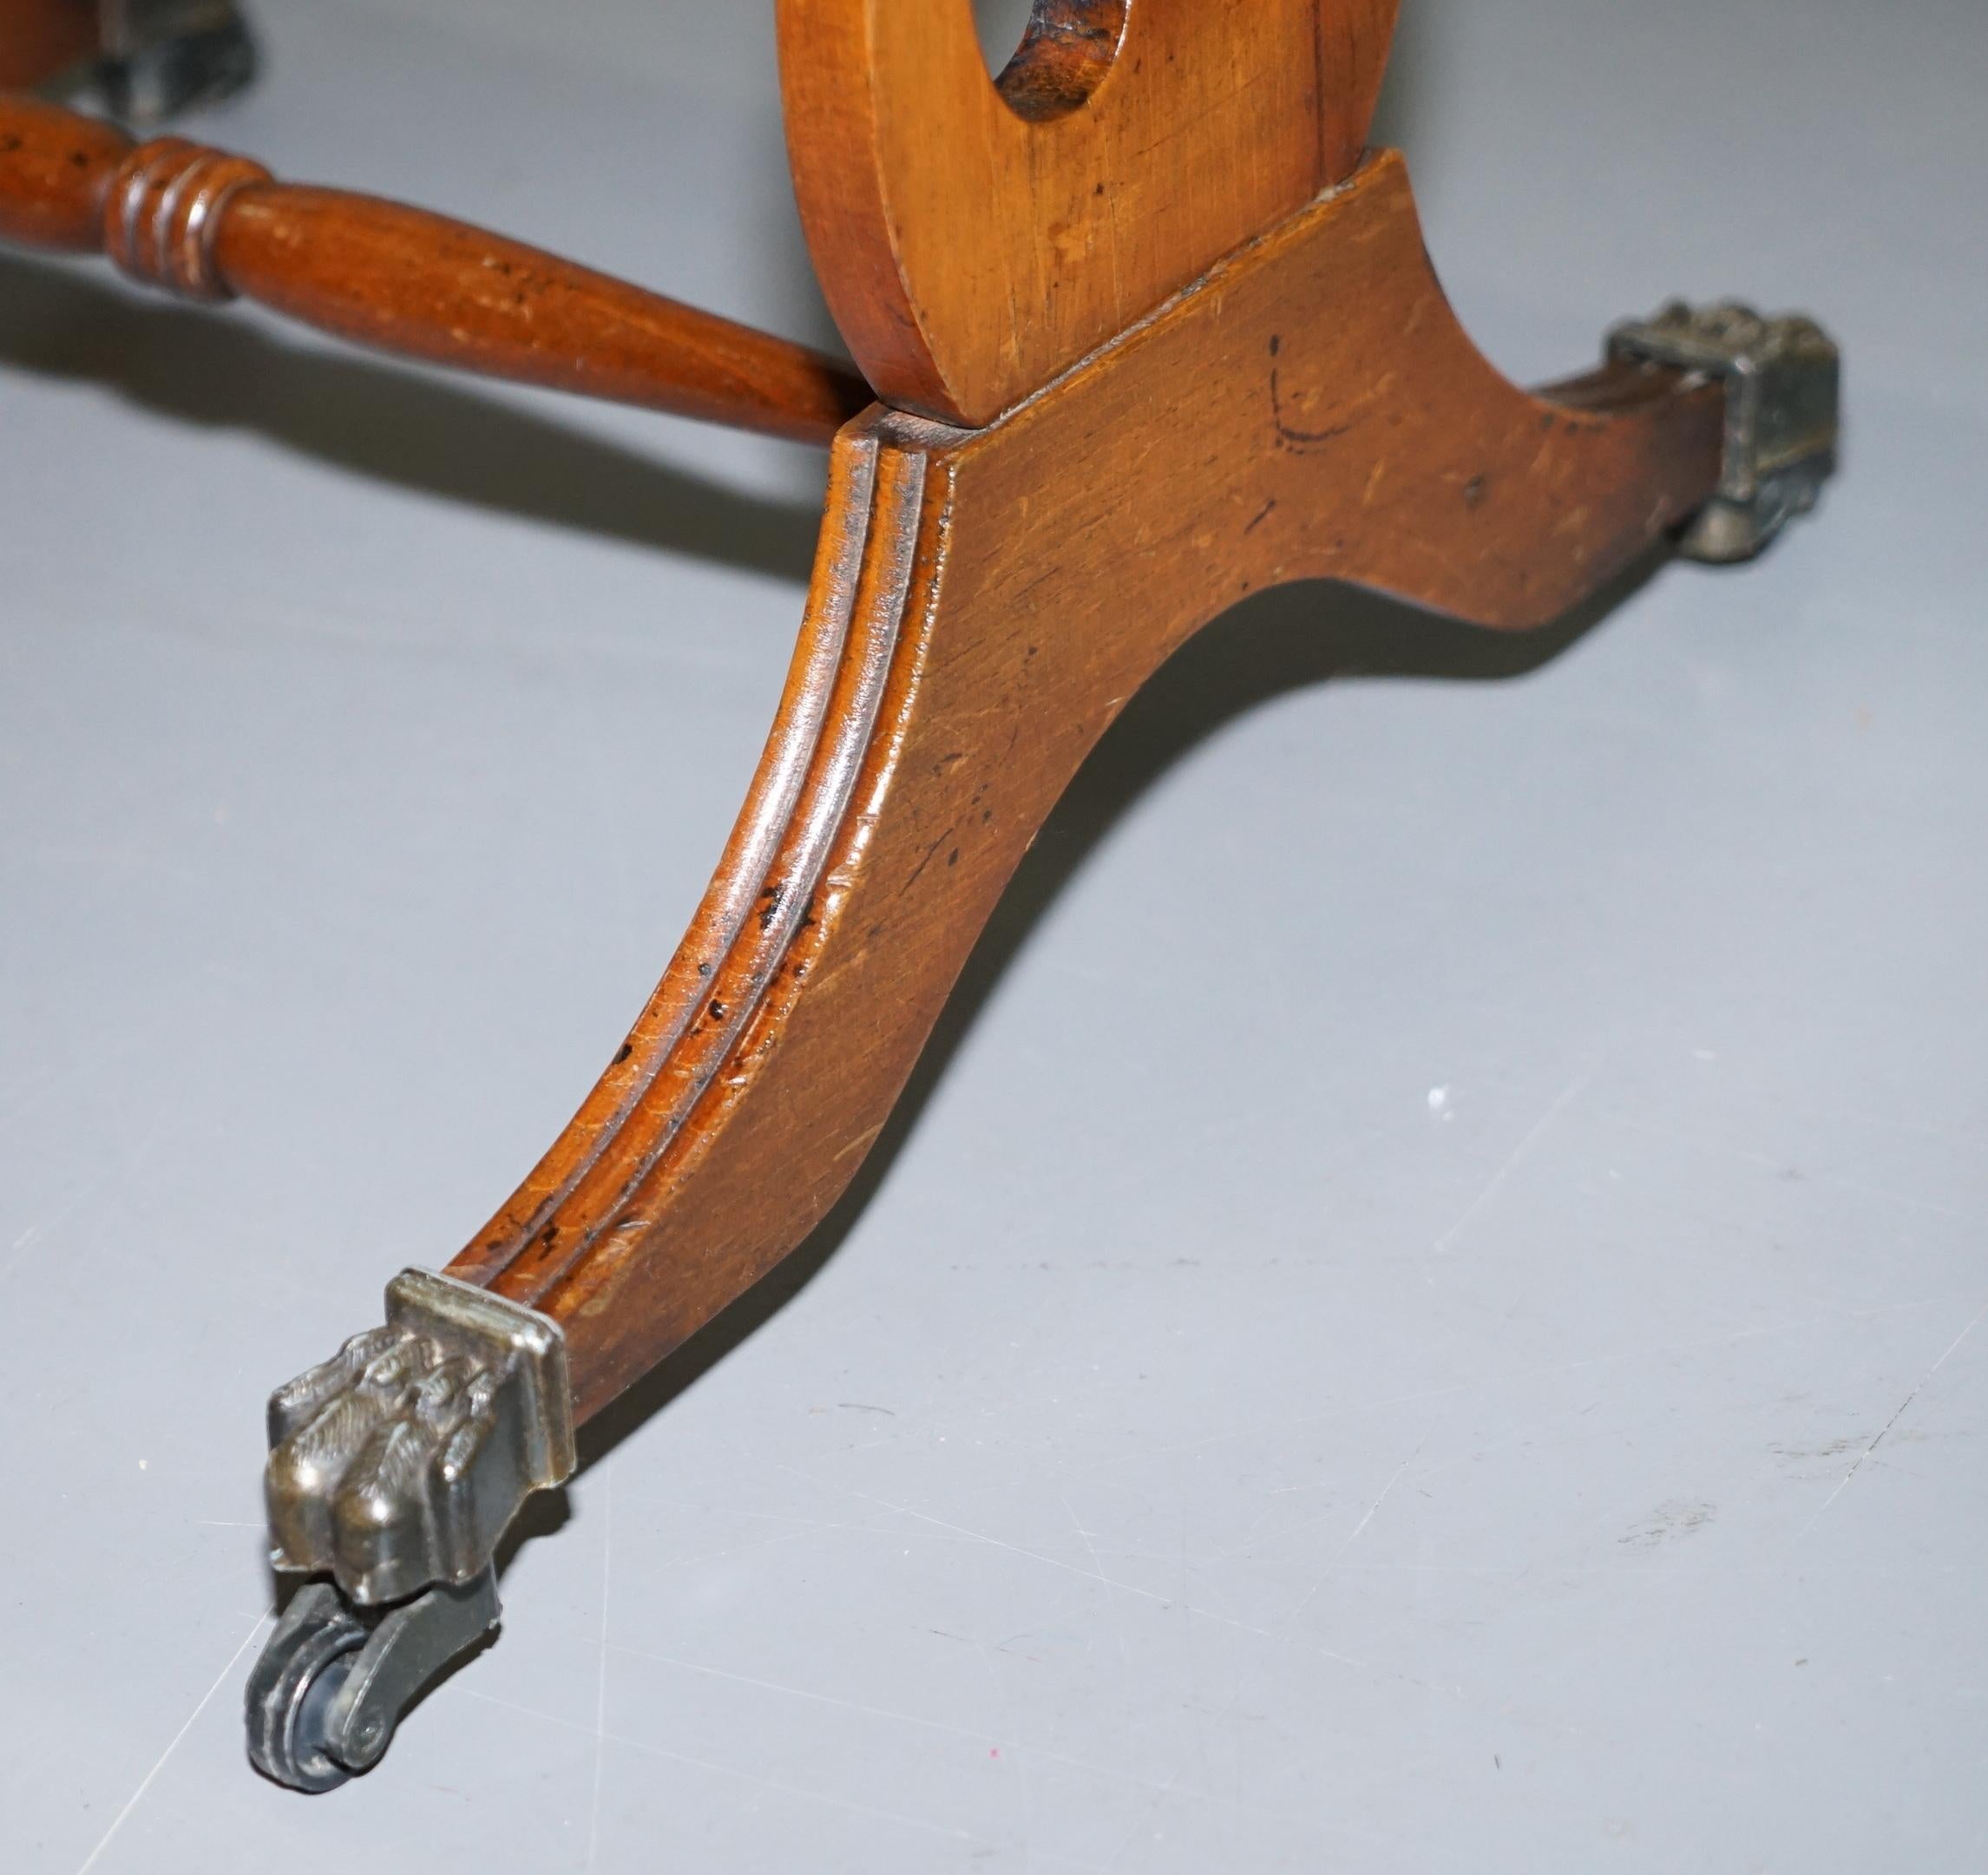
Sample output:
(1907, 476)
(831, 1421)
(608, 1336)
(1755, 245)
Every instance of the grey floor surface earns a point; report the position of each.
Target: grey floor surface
(1460, 1347)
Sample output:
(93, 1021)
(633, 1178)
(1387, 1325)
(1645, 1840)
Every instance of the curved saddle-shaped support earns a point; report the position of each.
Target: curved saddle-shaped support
(984, 604)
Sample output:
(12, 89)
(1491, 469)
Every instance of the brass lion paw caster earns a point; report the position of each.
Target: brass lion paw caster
(1782, 383)
(394, 1469)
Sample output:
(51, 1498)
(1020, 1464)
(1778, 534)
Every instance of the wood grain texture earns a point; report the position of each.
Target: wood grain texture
(209, 226)
(974, 240)
(41, 39)
(984, 605)
(56, 171)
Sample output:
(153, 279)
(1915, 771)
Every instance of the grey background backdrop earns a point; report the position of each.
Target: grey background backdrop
(1460, 1349)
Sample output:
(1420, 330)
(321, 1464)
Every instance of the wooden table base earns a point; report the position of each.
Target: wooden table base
(1119, 394)
(985, 603)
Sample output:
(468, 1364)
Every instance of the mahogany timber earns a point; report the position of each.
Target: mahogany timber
(984, 605)
(398, 280)
(41, 39)
(974, 240)
(56, 168)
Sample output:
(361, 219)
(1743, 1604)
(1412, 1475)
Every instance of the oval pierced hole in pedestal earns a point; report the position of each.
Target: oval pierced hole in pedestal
(1066, 48)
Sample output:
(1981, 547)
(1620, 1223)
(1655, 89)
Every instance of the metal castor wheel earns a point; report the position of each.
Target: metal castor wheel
(333, 1682)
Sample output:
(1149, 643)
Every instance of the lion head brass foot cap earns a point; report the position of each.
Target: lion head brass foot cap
(1782, 378)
